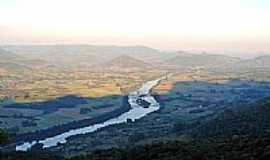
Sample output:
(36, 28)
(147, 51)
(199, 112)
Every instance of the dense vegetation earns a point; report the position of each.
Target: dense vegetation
(252, 121)
(231, 149)
(4, 137)
(234, 149)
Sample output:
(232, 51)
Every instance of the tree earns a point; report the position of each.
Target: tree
(4, 137)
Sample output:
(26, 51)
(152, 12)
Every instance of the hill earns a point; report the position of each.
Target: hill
(238, 134)
(258, 62)
(199, 60)
(125, 62)
(252, 121)
(11, 62)
(7, 56)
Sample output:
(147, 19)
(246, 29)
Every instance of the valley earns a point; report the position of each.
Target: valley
(62, 95)
(134, 80)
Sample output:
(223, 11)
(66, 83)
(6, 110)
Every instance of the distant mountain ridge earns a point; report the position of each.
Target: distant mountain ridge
(197, 60)
(94, 55)
(102, 52)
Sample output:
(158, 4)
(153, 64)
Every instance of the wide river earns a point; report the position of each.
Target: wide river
(136, 112)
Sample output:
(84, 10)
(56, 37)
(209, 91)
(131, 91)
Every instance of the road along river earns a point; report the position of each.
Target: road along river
(136, 112)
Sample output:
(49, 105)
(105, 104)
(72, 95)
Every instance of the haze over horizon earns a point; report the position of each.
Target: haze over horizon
(229, 27)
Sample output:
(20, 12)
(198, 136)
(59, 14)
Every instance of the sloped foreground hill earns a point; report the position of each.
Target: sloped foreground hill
(238, 134)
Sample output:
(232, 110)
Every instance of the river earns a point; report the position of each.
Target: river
(136, 112)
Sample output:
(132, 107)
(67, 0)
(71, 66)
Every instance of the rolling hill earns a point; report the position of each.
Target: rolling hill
(258, 62)
(125, 62)
(99, 52)
(7, 56)
(11, 62)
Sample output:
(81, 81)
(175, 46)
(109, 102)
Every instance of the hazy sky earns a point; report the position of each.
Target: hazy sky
(231, 25)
